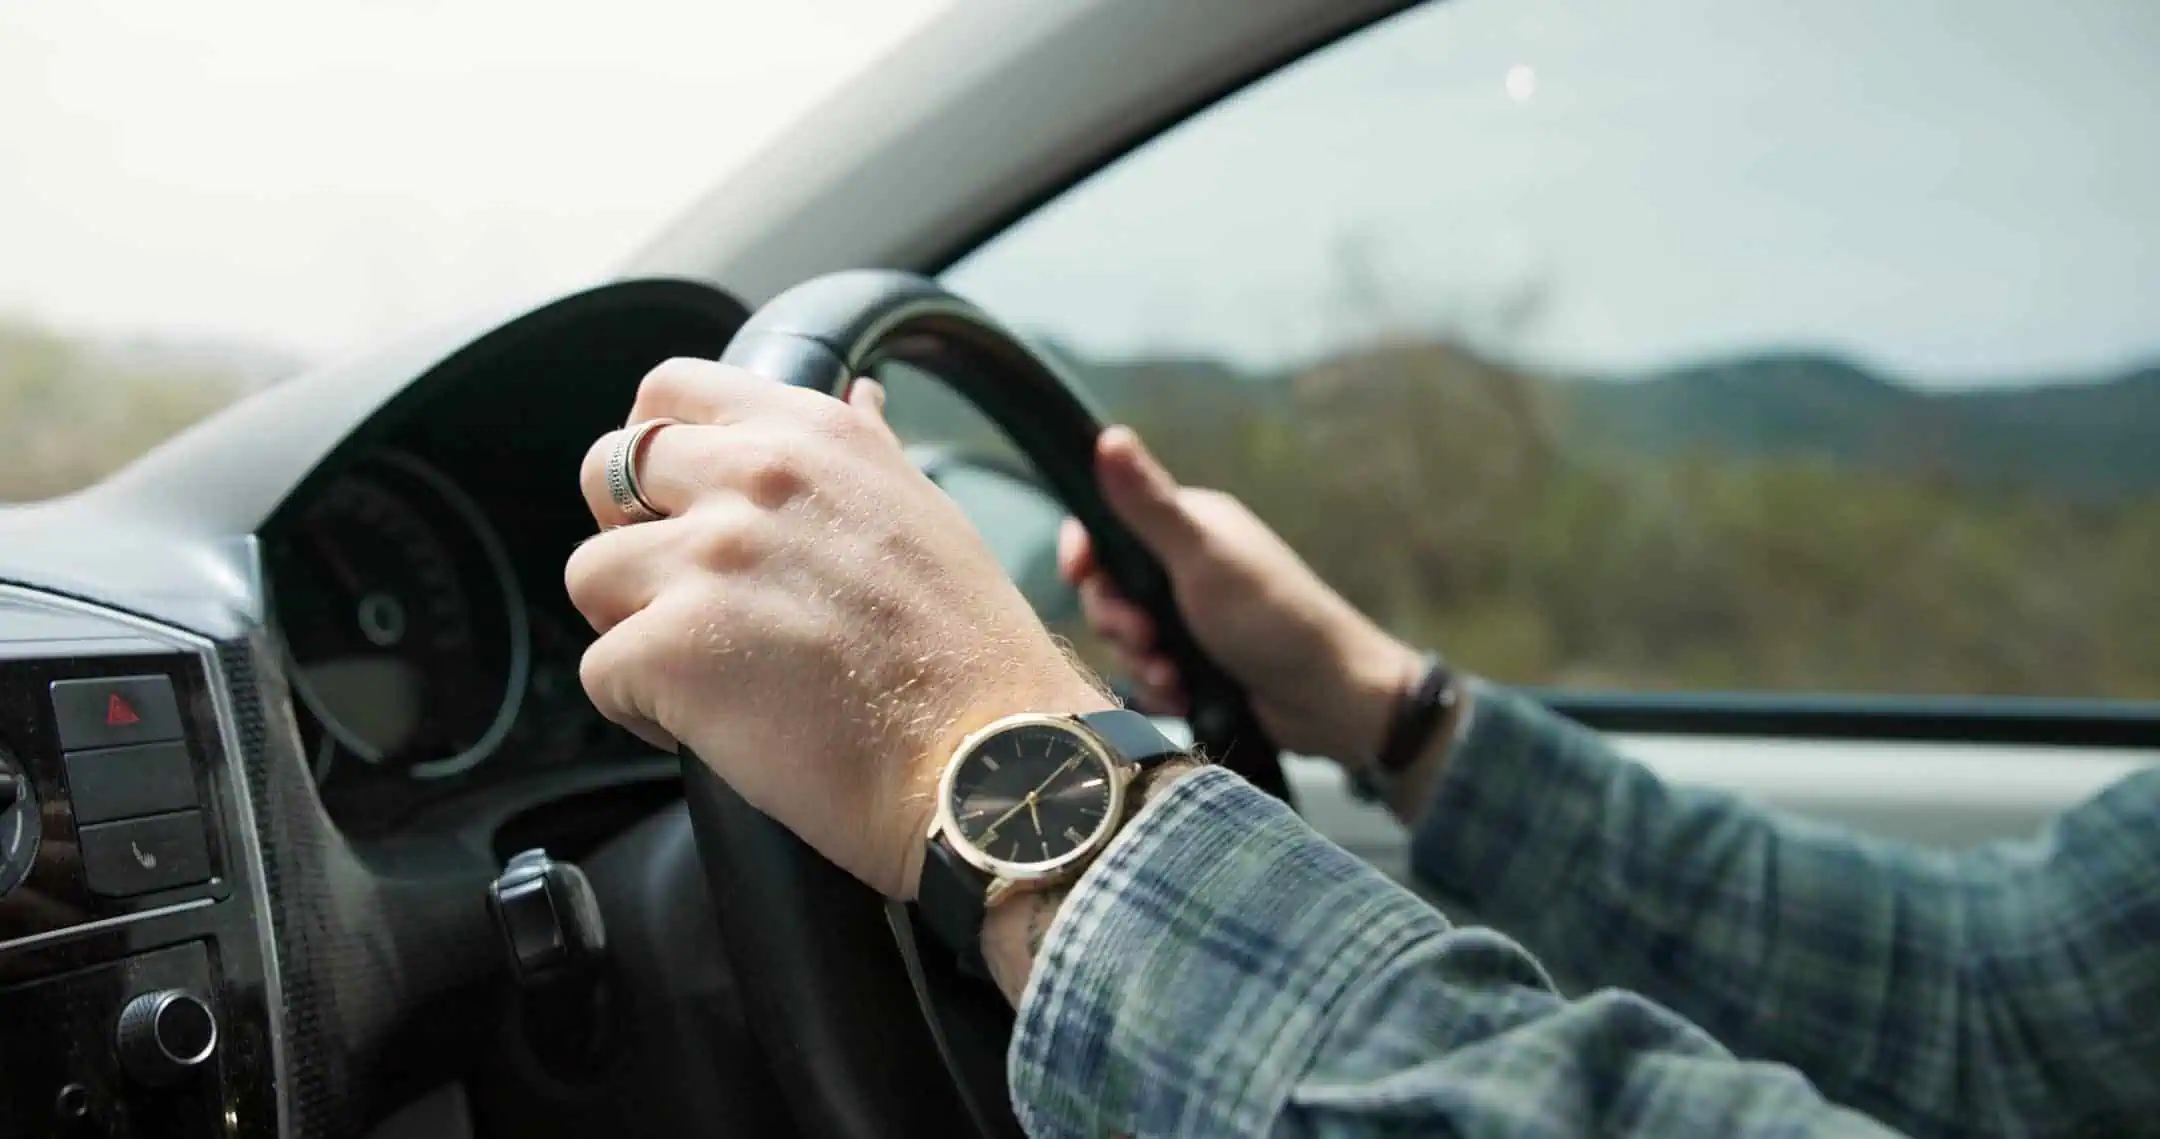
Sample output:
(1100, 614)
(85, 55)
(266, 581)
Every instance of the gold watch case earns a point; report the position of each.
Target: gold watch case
(1007, 877)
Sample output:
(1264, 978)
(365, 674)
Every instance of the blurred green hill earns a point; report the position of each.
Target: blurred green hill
(2081, 437)
(2085, 437)
(73, 409)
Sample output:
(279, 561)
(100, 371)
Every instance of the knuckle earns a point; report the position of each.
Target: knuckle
(677, 382)
(832, 417)
(593, 580)
(598, 672)
(774, 474)
(727, 539)
(580, 570)
(617, 670)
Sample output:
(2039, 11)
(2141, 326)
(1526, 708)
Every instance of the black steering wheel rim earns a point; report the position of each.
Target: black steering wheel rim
(866, 1042)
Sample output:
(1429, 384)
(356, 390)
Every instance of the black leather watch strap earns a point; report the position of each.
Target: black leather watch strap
(953, 891)
(1132, 737)
(951, 902)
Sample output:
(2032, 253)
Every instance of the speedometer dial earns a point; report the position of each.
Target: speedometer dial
(401, 618)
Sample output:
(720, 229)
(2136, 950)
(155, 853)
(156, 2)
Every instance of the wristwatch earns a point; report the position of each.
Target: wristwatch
(1025, 803)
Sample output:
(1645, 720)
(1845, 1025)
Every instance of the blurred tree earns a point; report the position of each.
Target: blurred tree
(70, 415)
(1437, 489)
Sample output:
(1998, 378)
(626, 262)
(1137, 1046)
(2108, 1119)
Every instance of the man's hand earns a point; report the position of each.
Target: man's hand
(814, 618)
(1323, 678)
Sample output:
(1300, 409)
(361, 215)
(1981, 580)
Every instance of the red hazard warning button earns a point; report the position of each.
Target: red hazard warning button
(108, 711)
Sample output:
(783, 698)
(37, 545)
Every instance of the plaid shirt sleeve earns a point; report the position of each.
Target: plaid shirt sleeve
(1223, 970)
(2010, 990)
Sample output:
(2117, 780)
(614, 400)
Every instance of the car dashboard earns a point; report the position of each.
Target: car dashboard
(275, 705)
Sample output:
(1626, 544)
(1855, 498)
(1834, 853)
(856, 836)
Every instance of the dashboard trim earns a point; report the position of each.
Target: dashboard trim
(85, 929)
(248, 842)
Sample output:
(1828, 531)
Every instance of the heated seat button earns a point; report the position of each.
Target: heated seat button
(124, 782)
(109, 711)
(141, 856)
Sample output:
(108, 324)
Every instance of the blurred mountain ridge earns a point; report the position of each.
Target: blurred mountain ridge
(2082, 437)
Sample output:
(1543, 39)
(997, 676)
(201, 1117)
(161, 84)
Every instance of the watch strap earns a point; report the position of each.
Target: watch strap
(950, 900)
(1131, 737)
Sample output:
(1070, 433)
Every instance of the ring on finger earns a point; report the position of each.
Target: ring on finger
(624, 487)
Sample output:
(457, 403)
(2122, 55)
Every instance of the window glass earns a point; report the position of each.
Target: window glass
(1679, 344)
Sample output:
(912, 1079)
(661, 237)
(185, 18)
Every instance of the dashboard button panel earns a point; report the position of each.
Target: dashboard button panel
(134, 824)
(109, 711)
(127, 782)
(143, 856)
(133, 880)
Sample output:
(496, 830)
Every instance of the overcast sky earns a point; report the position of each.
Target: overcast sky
(1958, 189)
(314, 174)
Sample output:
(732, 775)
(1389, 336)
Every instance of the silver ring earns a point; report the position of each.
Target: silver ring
(622, 477)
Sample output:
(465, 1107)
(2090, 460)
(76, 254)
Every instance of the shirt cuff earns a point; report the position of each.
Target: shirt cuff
(1516, 805)
(1195, 968)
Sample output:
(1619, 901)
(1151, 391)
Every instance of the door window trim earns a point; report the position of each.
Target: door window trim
(2112, 724)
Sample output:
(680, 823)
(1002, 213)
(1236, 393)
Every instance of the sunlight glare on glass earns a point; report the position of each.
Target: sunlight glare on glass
(1521, 82)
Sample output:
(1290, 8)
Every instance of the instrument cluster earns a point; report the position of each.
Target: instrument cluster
(420, 662)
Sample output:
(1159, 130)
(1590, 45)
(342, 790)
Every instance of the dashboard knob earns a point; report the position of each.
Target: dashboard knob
(165, 1035)
(20, 827)
(549, 920)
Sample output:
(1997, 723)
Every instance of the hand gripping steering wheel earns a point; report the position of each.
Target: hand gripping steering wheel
(872, 1032)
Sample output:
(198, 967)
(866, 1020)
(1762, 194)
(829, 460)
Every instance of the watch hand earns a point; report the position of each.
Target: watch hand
(992, 828)
(1029, 801)
(1035, 815)
(1068, 766)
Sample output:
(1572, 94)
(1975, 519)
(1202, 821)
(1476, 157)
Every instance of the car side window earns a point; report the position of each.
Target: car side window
(1665, 346)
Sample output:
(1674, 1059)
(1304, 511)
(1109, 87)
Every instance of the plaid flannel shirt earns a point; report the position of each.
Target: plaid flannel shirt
(1224, 970)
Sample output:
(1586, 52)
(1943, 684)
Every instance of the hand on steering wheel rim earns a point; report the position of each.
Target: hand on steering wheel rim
(842, 1014)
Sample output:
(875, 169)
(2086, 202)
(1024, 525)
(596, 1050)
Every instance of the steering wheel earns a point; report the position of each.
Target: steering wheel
(871, 1030)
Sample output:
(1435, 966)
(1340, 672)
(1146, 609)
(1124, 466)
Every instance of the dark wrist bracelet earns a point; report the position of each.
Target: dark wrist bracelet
(1421, 712)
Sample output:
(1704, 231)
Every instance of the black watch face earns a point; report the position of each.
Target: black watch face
(1033, 793)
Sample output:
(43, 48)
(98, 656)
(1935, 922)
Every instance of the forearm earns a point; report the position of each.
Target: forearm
(1851, 958)
(1226, 971)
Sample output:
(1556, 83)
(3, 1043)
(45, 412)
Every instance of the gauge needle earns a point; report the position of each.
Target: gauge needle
(338, 565)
